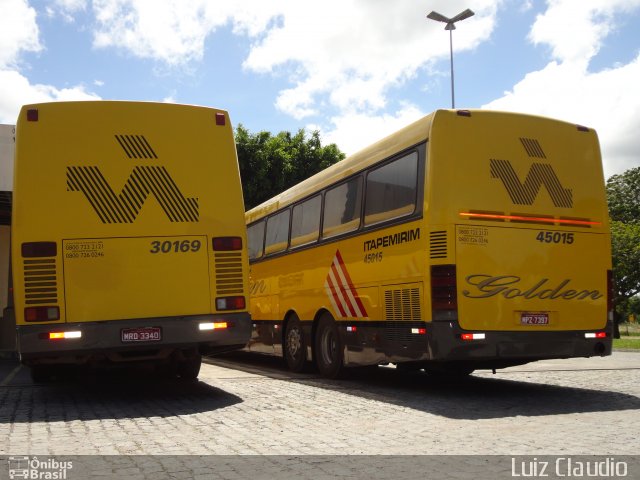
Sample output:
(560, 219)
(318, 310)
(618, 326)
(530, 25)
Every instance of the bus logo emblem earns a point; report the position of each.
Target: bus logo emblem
(539, 175)
(342, 294)
(125, 206)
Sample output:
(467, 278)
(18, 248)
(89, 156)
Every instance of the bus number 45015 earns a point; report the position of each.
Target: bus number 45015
(555, 237)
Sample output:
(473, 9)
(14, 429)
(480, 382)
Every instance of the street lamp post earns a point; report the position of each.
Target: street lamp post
(438, 17)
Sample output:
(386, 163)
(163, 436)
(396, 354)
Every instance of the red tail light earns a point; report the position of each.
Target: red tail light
(41, 314)
(39, 249)
(231, 303)
(444, 297)
(222, 244)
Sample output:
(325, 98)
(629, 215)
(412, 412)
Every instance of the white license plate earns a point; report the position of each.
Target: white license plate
(534, 319)
(141, 334)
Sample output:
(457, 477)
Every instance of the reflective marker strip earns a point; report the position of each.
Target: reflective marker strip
(65, 335)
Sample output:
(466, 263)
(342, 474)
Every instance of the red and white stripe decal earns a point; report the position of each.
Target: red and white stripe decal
(342, 294)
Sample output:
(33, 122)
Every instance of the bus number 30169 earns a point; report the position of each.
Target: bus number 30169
(555, 237)
(175, 246)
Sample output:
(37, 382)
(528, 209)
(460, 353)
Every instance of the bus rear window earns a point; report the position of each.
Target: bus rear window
(392, 190)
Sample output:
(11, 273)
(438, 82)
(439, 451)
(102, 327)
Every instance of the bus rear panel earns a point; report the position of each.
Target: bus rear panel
(528, 248)
(128, 239)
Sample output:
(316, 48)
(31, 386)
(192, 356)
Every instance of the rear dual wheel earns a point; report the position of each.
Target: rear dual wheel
(328, 348)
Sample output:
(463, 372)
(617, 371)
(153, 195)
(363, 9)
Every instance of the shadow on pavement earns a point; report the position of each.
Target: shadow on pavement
(77, 394)
(468, 398)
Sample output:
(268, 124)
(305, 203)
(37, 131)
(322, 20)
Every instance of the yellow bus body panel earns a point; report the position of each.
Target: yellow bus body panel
(473, 170)
(499, 283)
(105, 180)
(296, 283)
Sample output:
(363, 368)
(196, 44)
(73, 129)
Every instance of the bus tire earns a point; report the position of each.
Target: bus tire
(190, 368)
(295, 349)
(328, 348)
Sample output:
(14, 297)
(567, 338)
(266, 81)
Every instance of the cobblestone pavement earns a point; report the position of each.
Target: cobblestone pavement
(248, 405)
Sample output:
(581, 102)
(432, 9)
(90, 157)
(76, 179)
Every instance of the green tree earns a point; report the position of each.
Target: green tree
(623, 195)
(270, 164)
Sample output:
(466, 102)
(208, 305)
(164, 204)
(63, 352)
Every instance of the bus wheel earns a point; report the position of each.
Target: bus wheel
(295, 350)
(328, 348)
(190, 368)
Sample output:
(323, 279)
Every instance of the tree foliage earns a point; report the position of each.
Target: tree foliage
(270, 164)
(623, 195)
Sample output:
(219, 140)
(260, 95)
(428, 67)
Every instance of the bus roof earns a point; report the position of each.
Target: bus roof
(408, 136)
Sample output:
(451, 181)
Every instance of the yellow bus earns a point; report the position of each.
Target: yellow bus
(128, 241)
(467, 240)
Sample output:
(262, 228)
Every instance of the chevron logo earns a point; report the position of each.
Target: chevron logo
(539, 175)
(342, 294)
(125, 206)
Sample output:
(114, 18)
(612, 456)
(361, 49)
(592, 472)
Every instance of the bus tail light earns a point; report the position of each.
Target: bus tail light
(213, 325)
(39, 249)
(41, 314)
(230, 303)
(225, 244)
(595, 335)
(444, 296)
(473, 336)
(65, 335)
(419, 331)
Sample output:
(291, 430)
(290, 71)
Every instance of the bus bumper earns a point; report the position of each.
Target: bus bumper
(498, 349)
(105, 341)
(442, 343)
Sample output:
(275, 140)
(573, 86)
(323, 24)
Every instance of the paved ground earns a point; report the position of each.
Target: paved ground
(246, 405)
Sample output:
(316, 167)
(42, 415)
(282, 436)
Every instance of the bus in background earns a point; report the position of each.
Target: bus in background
(467, 240)
(7, 142)
(128, 236)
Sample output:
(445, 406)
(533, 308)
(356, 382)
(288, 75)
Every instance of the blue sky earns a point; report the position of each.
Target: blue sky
(354, 69)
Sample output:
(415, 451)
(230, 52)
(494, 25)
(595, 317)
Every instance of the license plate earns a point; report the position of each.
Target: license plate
(141, 334)
(534, 319)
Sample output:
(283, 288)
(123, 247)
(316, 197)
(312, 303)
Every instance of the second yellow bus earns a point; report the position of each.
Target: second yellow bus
(467, 240)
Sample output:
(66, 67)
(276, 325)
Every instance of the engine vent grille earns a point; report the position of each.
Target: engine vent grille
(402, 305)
(438, 244)
(228, 268)
(40, 281)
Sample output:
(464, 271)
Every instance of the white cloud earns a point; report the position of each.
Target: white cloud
(67, 9)
(18, 31)
(575, 29)
(354, 131)
(568, 90)
(16, 90)
(350, 53)
(174, 31)
(347, 53)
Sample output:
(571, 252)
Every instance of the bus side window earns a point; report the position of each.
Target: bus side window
(305, 222)
(342, 208)
(255, 237)
(392, 190)
(277, 232)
